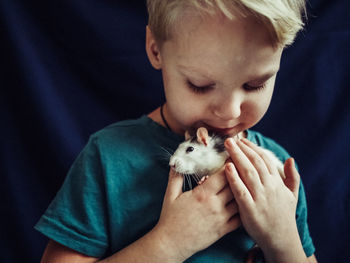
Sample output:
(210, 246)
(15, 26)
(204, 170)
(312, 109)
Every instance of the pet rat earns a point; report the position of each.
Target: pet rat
(204, 153)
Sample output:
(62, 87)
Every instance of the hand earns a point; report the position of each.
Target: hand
(193, 220)
(266, 203)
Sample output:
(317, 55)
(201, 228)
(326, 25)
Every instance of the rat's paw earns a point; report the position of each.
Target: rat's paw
(203, 179)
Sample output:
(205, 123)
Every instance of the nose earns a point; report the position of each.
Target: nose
(228, 107)
(172, 162)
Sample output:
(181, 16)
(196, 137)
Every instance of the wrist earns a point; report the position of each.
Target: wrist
(167, 247)
(285, 249)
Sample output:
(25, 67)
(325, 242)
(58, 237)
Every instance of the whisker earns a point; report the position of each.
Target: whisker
(184, 183)
(169, 152)
(189, 181)
(196, 177)
(164, 155)
(164, 158)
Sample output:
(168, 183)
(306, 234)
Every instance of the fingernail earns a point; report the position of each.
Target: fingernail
(229, 167)
(245, 140)
(230, 142)
(292, 162)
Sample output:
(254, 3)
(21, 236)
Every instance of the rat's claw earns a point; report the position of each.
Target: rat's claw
(203, 179)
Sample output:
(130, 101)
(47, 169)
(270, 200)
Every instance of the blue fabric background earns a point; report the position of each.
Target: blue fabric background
(69, 68)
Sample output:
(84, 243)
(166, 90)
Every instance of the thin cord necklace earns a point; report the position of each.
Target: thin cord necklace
(163, 118)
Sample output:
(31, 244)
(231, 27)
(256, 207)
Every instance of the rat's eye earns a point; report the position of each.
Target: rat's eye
(189, 149)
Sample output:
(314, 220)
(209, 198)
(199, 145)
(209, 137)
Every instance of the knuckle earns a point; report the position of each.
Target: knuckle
(260, 161)
(215, 207)
(241, 195)
(265, 157)
(255, 158)
(200, 196)
(249, 173)
(233, 209)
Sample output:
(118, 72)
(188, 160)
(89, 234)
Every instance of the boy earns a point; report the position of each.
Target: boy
(219, 61)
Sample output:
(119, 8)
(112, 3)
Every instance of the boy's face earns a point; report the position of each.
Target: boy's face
(217, 73)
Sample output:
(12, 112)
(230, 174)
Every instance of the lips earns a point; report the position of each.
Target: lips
(226, 131)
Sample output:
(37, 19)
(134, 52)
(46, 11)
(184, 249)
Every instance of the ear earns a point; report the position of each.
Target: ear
(152, 49)
(187, 135)
(202, 135)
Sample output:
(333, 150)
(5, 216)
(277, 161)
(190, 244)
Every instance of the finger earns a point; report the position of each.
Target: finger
(232, 208)
(226, 195)
(245, 168)
(228, 160)
(263, 154)
(215, 183)
(292, 180)
(239, 189)
(233, 223)
(257, 161)
(252, 254)
(174, 188)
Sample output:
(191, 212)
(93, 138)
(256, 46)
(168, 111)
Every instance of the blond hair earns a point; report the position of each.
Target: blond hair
(282, 18)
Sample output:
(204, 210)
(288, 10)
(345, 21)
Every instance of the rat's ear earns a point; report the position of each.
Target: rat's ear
(152, 49)
(187, 135)
(202, 135)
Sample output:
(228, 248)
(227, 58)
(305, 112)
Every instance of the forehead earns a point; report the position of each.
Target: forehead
(199, 42)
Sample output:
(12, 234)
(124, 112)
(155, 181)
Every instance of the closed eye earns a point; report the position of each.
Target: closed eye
(252, 88)
(200, 89)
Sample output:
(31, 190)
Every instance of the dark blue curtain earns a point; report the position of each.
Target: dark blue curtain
(69, 68)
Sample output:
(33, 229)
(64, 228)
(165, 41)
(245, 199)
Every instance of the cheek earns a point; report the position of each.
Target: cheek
(182, 103)
(184, 109)
(256, 108)
(181, 106)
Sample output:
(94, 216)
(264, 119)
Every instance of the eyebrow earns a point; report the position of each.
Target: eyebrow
(194, 70)
(259, 78)
(265, 76)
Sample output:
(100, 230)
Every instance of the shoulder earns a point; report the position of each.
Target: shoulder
(268, 144)
(126, 133)
(123, 129)
(132, 137)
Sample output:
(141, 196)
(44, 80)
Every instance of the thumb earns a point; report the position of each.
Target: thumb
(292, 179)
(174, 188)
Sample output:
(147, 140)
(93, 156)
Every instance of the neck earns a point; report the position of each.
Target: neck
(162, 115)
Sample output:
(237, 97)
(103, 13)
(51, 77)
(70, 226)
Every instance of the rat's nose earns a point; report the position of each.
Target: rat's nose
(172, 162)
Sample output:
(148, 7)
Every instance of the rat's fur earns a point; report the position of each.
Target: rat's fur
(203, 160)
(206, 158)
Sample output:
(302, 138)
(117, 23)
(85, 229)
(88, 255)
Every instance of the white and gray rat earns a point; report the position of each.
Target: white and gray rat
(203, 154)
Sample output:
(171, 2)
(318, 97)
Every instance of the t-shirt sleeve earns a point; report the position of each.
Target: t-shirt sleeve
(301, 218)
(76, 218)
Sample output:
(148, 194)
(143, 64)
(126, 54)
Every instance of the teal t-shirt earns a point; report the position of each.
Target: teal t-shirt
(114, 191)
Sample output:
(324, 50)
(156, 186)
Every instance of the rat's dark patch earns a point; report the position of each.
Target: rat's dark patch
(220, 142)
(218, 138)
(194, 140)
